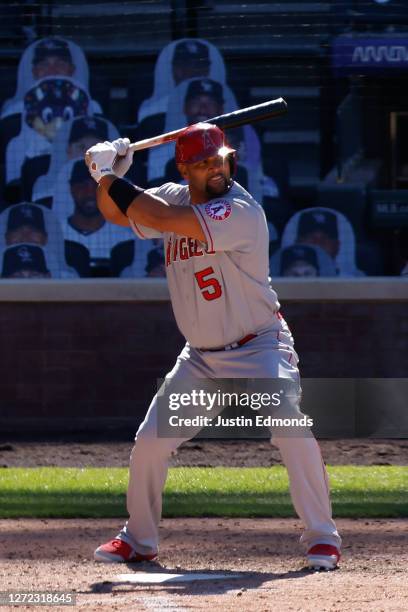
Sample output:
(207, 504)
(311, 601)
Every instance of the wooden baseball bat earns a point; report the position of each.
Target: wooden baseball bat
(251, 114)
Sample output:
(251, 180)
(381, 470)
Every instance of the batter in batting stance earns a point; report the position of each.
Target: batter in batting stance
(216, 250)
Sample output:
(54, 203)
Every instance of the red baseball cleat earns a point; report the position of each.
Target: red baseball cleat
(118, 551)
(323, 556)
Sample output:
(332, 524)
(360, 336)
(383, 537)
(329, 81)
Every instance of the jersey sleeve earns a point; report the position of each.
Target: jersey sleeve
(229, 225)
(170, 192)
(143, 232)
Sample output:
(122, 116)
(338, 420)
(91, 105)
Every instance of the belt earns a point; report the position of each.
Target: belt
(233, 345)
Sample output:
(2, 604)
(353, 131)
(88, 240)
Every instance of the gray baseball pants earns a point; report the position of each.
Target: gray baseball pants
(269, 355)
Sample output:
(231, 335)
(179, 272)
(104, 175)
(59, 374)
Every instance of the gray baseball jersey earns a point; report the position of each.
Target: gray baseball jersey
(220, 291)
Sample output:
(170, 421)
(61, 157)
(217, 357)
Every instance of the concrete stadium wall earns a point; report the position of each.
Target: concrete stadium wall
(84, 355)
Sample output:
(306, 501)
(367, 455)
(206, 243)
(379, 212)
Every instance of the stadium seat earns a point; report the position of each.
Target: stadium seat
(276, 21)
(46, 202)
(77, 257)
(151, 126)
(116, 23)
(10, 126)
(348, 199)
(122, 255)
(32, 168)
(370, 257)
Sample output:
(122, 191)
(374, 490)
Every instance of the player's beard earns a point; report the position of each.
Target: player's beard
(219, 189)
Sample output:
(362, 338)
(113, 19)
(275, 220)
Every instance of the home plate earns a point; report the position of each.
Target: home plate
(157, 578)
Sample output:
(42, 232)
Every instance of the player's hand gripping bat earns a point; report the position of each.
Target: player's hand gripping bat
(251, 114)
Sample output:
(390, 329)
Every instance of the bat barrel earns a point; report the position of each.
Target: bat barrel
(252, 114)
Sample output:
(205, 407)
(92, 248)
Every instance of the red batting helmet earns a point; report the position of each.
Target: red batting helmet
(200, 141)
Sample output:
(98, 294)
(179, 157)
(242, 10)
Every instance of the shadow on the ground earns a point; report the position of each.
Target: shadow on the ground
(232, 580)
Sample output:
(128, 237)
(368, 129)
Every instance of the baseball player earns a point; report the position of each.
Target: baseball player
(216, 254)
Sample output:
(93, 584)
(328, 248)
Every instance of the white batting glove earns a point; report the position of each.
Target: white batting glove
(125, 157)
(99, 159)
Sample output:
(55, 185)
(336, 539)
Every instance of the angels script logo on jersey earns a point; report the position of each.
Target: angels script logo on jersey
(218, 210)
(183, 248)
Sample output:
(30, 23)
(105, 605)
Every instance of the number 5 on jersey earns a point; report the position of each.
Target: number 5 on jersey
(210, 287)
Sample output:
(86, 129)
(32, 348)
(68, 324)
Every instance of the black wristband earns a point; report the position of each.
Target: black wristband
(123, 193)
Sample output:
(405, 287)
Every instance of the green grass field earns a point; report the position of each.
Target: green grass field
(357, 491)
